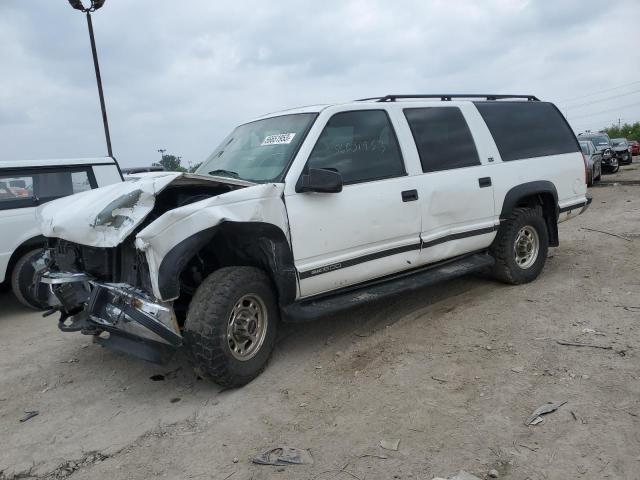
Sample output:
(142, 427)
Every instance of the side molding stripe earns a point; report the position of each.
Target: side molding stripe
(394, 251)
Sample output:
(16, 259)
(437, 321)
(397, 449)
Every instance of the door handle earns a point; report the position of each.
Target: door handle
(409, 195)
(484, 182)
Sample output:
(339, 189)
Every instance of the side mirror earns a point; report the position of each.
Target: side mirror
(320, 180)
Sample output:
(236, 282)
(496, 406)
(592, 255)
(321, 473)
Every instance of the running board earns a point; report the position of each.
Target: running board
(318, 307)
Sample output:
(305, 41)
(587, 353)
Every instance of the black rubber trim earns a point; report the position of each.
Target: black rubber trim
(394, 251)
(356, 261)
(458, 236)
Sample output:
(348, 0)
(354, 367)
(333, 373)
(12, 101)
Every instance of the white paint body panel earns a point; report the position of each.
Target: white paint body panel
(257, 203)
(19, 225)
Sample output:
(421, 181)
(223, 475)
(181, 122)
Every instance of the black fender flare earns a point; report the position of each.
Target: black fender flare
(252, 243)
(529, 189)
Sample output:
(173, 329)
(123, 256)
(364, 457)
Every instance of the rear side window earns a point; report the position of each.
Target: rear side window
(443, 138)
(527, 129)
(31, 187)
(360, 145)
(16, 190)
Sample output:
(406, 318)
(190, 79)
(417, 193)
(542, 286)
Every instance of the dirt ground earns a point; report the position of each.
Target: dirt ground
(452, 371)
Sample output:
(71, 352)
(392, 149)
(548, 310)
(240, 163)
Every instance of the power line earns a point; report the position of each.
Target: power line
(600, 100)
(598, 92)
(606, 111)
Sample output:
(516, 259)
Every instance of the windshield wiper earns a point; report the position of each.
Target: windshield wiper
(224, 173)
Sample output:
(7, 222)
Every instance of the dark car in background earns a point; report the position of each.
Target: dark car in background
(602, 143)
(593, 160)
(622, 150)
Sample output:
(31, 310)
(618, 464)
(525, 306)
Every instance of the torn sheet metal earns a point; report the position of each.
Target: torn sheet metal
(102, 217)
(258, 203)
(105, 216)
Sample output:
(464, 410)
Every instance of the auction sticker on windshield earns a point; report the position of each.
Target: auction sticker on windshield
(280, 139)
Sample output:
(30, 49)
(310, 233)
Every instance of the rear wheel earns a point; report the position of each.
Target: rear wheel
(520, 248)
(231, 325)
(22, 277)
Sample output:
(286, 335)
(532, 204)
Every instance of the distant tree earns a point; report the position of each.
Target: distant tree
(195, 167)
(630, 131)
(171, 163)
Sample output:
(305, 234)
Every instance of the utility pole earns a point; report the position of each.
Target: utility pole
(95, 5)
(162, 150)
(618, 124)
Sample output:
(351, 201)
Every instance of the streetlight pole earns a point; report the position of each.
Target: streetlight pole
(95, 5)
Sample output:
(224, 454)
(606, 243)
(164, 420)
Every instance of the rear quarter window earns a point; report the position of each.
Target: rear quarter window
(527, 129)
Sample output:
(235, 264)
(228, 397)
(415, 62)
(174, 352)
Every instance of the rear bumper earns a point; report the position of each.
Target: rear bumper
(573, 210)
(118, 315)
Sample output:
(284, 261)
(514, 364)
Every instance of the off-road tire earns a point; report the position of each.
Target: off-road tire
(205, 329)
(503, 248)
(21, 279)
(591, 180)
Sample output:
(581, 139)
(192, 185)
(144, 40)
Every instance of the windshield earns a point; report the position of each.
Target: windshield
(259, 151)
(600, 140)
(619, 142)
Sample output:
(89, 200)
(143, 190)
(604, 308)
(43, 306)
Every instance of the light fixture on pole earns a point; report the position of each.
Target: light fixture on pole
(95, 5)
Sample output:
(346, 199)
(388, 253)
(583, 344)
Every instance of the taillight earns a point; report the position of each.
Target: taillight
(586, 167)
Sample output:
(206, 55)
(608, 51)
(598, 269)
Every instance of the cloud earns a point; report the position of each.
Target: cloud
(180, 75)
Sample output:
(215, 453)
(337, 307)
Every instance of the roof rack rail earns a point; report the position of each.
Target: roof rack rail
(448, 96)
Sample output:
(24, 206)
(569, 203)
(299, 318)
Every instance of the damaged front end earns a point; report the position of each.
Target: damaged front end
(118, 315)
(98, 280)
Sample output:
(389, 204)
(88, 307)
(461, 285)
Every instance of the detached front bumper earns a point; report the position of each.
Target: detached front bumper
(119, 316)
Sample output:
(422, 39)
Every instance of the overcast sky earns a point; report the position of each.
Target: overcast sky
(180, 75)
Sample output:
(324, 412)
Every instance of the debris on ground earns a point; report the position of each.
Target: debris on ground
(493, 473)
(607, 233)
(593, 331)
(536, 417)
(392, 444)
(578, 344)
(158, 377)
(630, 308)
(517, 369)
(462, 475)
(374, 455)
(282, 456)
(29, 414)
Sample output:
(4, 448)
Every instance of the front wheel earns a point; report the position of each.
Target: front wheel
(614, 166)
(520, 248)
(230, 330)
(22, 277)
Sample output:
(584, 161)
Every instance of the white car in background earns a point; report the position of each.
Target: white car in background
(26, 184)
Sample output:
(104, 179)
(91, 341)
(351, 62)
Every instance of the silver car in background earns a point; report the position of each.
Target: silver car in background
(594, 161)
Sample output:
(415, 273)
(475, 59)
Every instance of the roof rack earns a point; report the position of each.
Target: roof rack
(447, 97)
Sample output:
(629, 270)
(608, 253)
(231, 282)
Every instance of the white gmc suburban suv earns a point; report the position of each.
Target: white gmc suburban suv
(306, 212)
(26, 184)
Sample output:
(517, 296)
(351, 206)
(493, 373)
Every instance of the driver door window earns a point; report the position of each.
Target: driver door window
(360, 145)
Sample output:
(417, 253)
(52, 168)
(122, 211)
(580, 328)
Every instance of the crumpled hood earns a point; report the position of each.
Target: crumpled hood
(105, 216)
